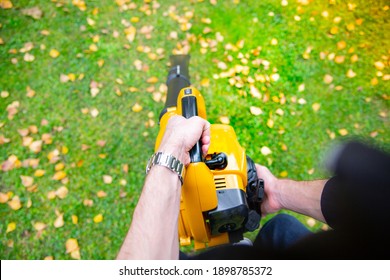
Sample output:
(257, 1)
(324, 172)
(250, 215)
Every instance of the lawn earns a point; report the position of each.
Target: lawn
(83, 82)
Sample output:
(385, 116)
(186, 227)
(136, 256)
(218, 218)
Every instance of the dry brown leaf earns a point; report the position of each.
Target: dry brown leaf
(71, 245)
(3, 197)
(107, 179)
(351, 74)
(255, 110)
(34, 12)
(62, 192)
(36, 146)
(59, 222)
(265, 151)
(14, 203)
(328, 79)
(101, 194)
(39, 226)
(224, 119)
(379, 65)
(27, 181)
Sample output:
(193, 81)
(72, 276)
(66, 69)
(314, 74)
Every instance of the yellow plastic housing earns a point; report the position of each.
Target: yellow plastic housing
(199, 192)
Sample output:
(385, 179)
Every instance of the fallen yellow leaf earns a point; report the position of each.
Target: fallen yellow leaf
(6, 4)
(11, 227)
(39, 226)
(136, 108)
(98, 218)
(75, 219)
(224, 119)
(71, 245)
(14, 203)
(152, 80)
(350, 73)
(59, 166)
(316, 107)
(255, 111)
(59, 175)
(379, 65)
(270, 123)
(328, 79)
(59, 222)
(3, 197)
(265, 151)
(343, 131)
(101, 194)
(283, 174)
(54, 53)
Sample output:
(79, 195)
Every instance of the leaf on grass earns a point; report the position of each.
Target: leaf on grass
(316, 107)
(39, 226)
(36, 146)
(136, 108)
(59, 222)
(94, 112)
(11, 227)
(350, 73)
(59, 175)
(28, 57)
(224, 119)
(265, 151)
(4, 197)
(6, 4)
(27, 181)
(75, 219)
(98, 218)
(72, 248)
(54, 53)
(328, 79)
(270, 123)
(101, 194)
(255, 111)
(14, 203)
(62, 192)
(107, 179)
(34, 12)
(283, 173)
(379, 65)
(343, 131)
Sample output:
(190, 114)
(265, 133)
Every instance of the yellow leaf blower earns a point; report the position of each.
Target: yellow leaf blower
(221, 193)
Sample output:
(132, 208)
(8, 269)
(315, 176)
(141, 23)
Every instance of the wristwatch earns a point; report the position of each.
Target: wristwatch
(169, 162)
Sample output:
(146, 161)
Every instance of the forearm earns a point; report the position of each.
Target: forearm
(153, 233)
(303, 197)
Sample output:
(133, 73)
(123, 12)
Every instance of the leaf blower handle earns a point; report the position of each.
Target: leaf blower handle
(190, 109)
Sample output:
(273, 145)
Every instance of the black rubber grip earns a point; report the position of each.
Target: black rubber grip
(190, 109)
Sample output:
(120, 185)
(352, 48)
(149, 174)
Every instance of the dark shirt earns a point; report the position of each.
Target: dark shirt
(355, 203)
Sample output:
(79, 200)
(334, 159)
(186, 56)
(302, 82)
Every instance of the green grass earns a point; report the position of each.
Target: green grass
(360, 107)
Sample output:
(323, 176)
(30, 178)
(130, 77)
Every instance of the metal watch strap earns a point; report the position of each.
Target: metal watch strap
(168, 161)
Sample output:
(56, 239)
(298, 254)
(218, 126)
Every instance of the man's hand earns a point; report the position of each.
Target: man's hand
(270, 202)
(181, 135)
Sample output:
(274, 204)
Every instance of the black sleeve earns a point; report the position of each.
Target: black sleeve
(358, 196)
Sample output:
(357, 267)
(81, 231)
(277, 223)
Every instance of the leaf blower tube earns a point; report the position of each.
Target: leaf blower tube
(178, 78)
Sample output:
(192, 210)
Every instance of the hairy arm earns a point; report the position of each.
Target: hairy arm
(303, 197)
(153, 233)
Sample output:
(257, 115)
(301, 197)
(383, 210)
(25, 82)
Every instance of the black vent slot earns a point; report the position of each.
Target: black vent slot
(220, 182)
